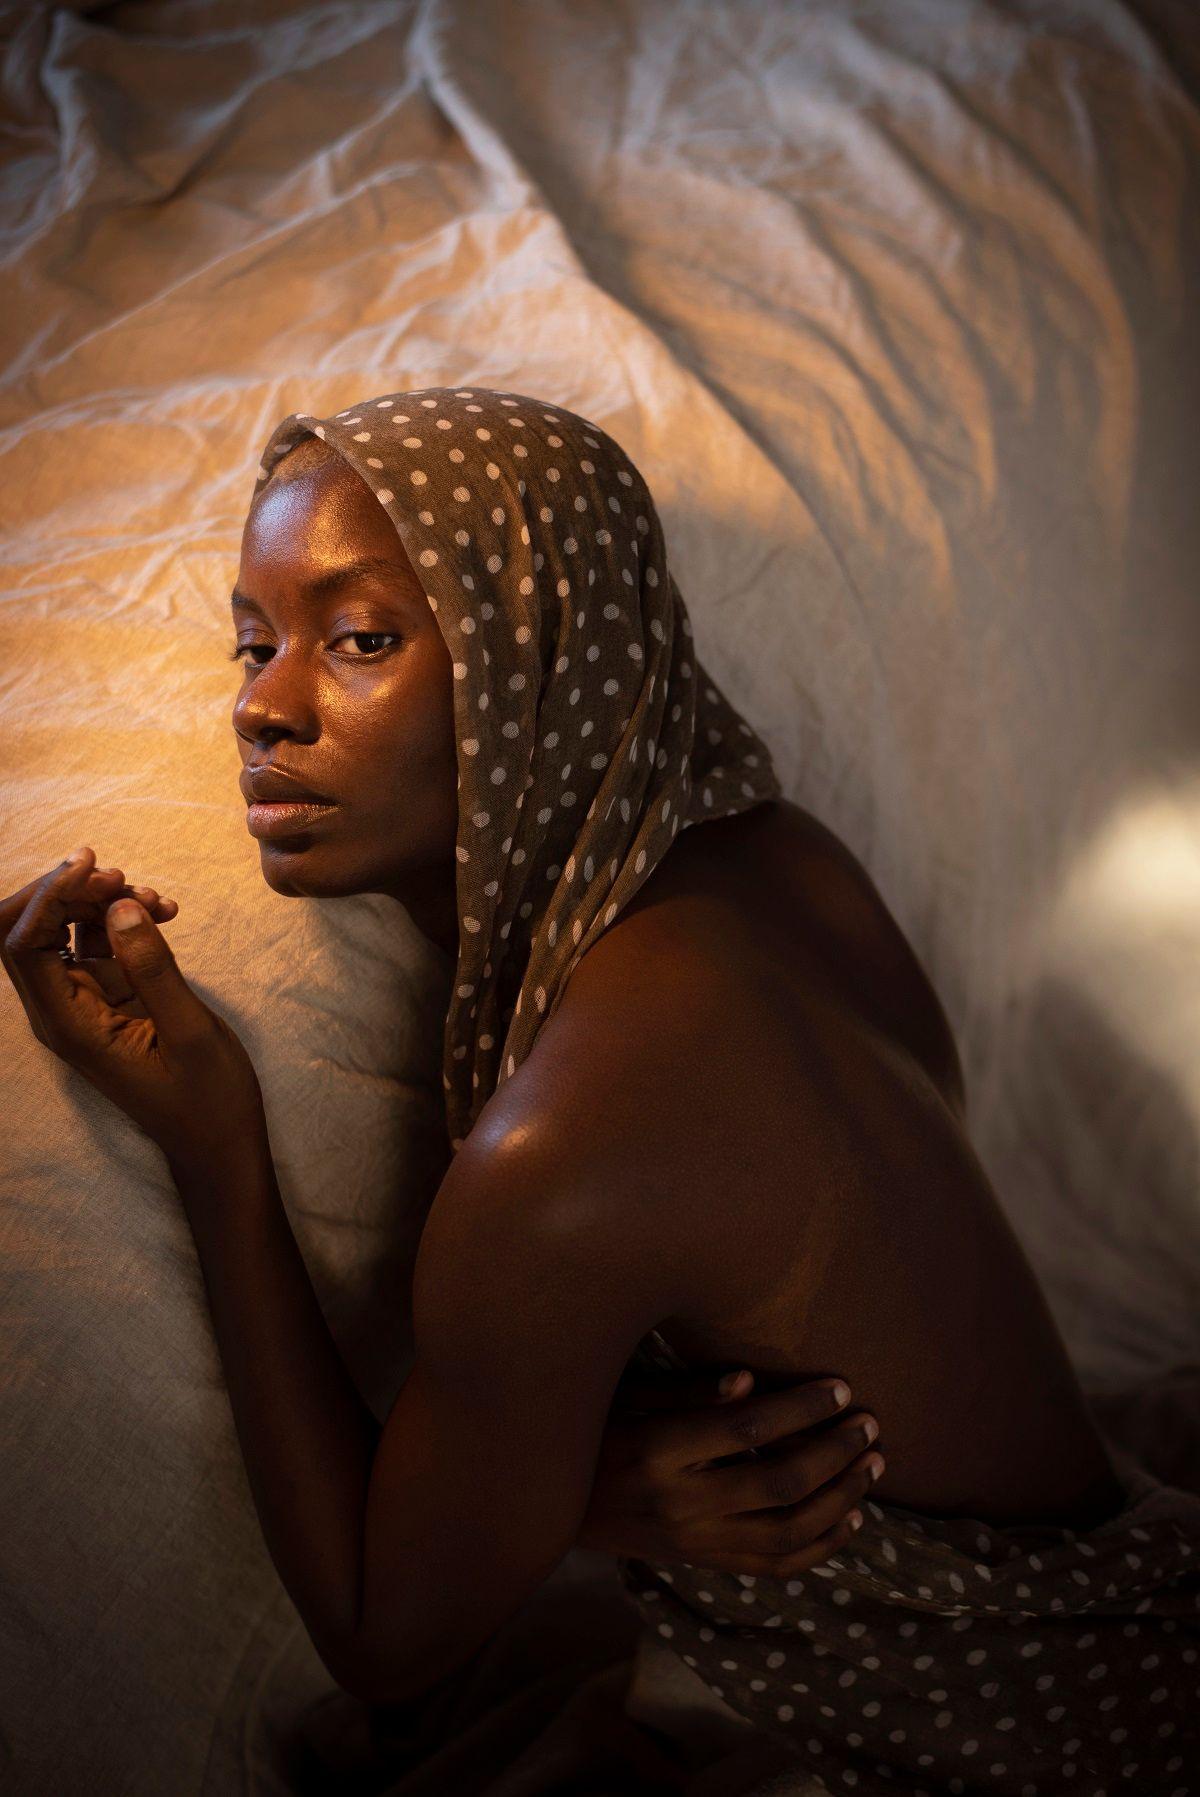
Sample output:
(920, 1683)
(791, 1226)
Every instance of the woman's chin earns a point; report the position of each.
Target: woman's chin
(287, 869)
(297, 873)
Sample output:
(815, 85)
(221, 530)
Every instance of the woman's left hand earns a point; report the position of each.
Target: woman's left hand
(138, 1033)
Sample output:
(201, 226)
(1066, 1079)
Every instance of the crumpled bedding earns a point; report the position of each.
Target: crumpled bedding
(893, 306)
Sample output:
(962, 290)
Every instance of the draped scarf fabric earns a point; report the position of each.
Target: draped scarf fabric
(588, 732)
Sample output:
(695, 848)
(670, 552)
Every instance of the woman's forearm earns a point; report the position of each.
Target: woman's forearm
(307, 1437)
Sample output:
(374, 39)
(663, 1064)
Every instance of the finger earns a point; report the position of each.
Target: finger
(107, 884)
(791, 1474)
(743, 1558)
(796, 1529)
(109, 979)
(34, 933)
(683, 1394)
(12, 907)
(33, 941)
(694, 1437)
(781, 1535)
(101, 886)
(91, 935)
(153, 972)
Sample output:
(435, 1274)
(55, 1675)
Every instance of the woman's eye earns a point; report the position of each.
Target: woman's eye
(370, 636)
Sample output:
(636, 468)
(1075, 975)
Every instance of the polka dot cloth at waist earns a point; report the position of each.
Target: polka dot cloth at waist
(951, 1655)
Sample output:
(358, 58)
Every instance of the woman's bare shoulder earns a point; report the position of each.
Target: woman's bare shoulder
(612, 1097)
(612, 1075)
(758, 938)
(582, 1132)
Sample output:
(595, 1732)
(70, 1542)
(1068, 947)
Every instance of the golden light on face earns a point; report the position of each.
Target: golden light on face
(347, 686)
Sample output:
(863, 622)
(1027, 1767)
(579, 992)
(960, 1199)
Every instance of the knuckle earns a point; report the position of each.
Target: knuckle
(817, 1400)
(809, 1470)
(845, 1449)
(778, 1485)
(851, 1476)
(149, 961)
(749, 1428)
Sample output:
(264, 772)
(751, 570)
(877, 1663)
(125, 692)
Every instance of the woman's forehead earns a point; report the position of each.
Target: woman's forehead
(311, 532)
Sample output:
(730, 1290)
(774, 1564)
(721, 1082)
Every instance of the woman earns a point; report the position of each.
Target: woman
(702, 1105)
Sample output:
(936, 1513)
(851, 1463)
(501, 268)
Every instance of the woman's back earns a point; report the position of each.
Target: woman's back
(783, 1108)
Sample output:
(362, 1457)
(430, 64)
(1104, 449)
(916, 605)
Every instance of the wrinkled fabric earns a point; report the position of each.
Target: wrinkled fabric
(913, 380)
(588, 732)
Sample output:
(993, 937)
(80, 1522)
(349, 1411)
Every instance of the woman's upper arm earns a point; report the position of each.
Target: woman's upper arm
(524, 1318)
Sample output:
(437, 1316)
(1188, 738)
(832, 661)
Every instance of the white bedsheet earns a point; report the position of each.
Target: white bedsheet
(894, 307)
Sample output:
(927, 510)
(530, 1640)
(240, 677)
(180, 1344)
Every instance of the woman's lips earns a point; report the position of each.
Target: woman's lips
(275, 817)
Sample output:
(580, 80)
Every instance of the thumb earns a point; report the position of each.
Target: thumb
(152, 970)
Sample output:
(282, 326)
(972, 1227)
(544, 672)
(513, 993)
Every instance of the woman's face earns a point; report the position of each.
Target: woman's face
(348, 685)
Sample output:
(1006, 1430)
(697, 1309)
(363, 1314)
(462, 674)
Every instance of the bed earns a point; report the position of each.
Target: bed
(894, 306)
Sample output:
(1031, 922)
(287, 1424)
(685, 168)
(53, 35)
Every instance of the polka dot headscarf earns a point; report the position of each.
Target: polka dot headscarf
(588, 732)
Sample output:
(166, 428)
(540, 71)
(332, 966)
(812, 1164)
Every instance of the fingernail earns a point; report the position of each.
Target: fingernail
(735, 1382)
(855, 1519)
(841, 1392)
(125, 913)
(75, 857)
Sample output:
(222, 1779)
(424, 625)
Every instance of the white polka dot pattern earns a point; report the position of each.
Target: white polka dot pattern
(589, 733)
(935, 1655)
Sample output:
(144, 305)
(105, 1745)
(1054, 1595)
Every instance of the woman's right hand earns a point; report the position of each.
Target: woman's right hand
(666, 1490)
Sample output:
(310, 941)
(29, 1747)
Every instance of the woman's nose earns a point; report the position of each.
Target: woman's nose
(277, 698)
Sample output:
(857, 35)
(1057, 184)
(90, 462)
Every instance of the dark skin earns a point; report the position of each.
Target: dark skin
(370, 725)
(799, 1195)
(806, 1158)
(518, 1433)
(744, 1126)
(338, 721)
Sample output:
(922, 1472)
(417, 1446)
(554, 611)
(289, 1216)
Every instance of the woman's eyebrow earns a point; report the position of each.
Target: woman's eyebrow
(366, 567)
